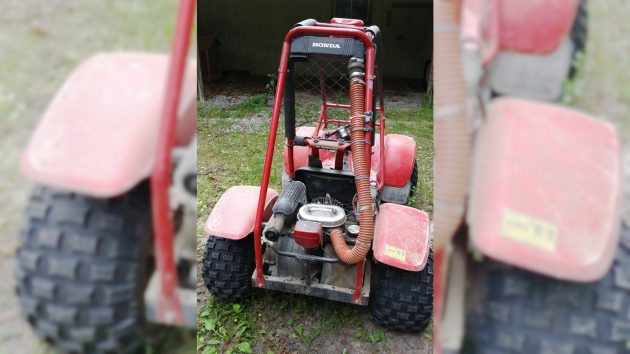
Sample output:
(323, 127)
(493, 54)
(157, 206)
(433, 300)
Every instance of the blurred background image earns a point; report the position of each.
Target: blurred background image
(41, 43)
(531, 177)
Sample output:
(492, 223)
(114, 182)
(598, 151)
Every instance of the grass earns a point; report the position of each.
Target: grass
(231, 147)
(603, 75)
(273, 322)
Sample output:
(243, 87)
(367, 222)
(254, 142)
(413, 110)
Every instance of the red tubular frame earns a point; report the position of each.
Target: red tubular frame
(322, 29)
(169, 309)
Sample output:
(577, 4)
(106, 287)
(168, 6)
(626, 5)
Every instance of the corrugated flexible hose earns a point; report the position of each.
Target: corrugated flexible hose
(362, 181)
(451, 126)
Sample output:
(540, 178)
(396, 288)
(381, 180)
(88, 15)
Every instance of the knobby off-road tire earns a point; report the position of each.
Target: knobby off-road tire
(228, 266)
(514, 311)
(81, 269)
(579, 32)
(402, 300)
(413, 179)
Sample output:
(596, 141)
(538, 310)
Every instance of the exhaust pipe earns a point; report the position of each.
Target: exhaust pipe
(293, 196)
(452, 130)
(356, 69)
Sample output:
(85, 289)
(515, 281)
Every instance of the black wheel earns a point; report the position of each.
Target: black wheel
(579, 32)
(228, 266)
(402, 300)
(514, 311)
(413, 179)
(81, 269)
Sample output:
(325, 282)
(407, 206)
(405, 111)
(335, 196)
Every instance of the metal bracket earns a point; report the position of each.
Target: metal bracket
(304, 257)
(368, 117)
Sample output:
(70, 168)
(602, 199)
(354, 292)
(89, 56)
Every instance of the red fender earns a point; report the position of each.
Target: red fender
(528, 27)
(545, 191)
(99, 134)
(401, 237)
(234, 215)
(400, 156)
(535, 27)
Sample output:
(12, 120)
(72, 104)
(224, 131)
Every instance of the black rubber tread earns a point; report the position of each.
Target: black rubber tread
(579, 32)
(228, 266)
(80, 269)
(514, 311)
(413, 179)
(402, 300)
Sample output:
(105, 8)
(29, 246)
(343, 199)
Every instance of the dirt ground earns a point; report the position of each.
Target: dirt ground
(40, 43)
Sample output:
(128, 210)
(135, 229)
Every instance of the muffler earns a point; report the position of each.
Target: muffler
(292, 197)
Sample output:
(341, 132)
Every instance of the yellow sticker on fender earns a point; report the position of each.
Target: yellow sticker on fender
(532, 231)
(395, 252)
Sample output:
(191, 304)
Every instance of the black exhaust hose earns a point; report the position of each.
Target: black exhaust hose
(289, 103)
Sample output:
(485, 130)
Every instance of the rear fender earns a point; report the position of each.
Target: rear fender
(234, 215)
(545, 190)
(401, 237)
(526, 27)
(99, 134)
(400, 156)
(535, 27)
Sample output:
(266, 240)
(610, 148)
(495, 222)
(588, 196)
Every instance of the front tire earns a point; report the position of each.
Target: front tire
(80, 269)
(402, 300)
(228, 266)
(515, 311)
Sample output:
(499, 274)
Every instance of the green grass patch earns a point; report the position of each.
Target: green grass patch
(225, 328)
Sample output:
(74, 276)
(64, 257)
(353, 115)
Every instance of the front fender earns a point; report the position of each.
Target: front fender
(545, 191)
(99, 134)
(401, 237)
(234, 215)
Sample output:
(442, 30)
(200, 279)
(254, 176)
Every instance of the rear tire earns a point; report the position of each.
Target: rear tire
(579, 32)
(81, 269)
(514, 311)
(402, 300)
(413, 179)
(228, 266)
